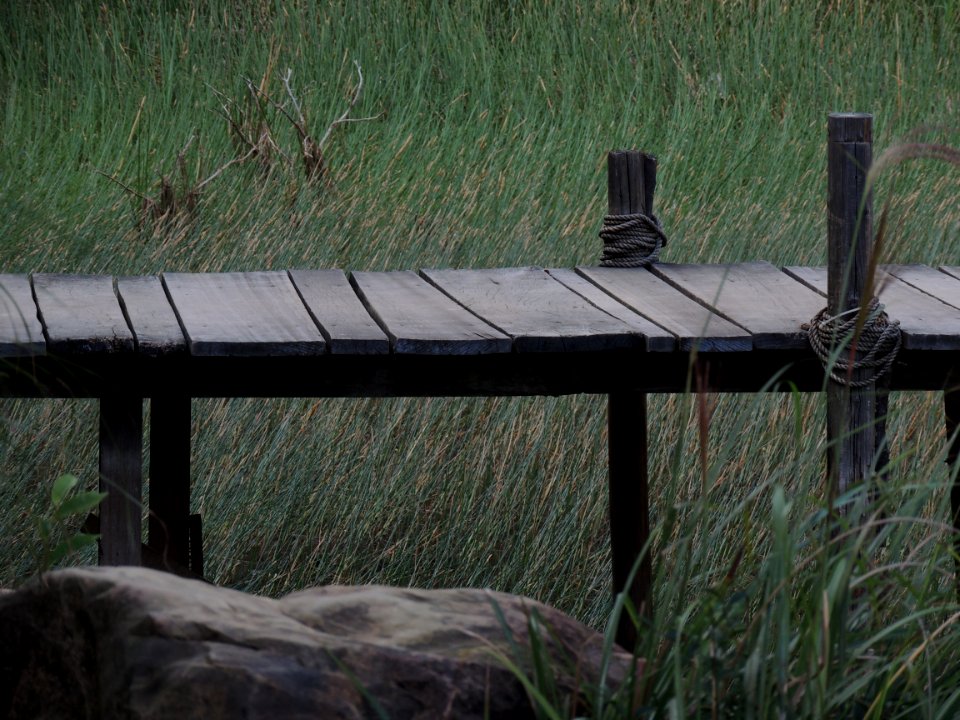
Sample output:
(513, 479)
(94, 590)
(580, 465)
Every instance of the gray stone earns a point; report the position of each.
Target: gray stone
(136, 643)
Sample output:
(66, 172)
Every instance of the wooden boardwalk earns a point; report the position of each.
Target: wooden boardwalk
(385, 333)
(514, 331)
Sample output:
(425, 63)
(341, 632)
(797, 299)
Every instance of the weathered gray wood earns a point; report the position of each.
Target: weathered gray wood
(851, 412)
(255, 314)
(756, 296)
(81, 314)
(814, 278)
(21, 333)
(121, 477)
(629, 191)
(658, 339)
(951, 270)
(421, 320)
(345, 323)
(694, 325)
(168, 524)
(937, 283)
(155, 326)
(539, 313)
(926, 323)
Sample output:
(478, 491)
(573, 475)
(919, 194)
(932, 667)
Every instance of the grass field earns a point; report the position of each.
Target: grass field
(487, 148)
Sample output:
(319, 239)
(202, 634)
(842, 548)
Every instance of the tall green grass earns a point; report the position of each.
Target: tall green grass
(489, 150)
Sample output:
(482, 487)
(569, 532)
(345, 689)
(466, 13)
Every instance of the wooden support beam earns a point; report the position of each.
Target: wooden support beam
(851, 411)
(121, 477)
(631, 178)
(951, 412)
(169, 520)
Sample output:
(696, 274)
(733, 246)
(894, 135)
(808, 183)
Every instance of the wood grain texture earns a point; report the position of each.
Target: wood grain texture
(121, 477)
(951, 270)
(932, 281)
(421, 320)
(657, 339)
(756, 296)
(926, 323)
(21, 333)
(344, 322)
(852, 412)
(155, 326)
(539, 313)
(81, 314)
(692, 323)
(255, 314)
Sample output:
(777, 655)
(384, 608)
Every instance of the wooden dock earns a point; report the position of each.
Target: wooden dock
(624, 332)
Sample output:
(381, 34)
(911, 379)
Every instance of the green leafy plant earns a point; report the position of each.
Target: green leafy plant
(56, 542)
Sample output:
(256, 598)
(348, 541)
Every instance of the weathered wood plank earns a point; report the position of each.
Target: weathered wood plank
(155, 326)
(658, 339)
(951, 270)
(941, 285)
(20, 330)
(121, 477)
(253, 314)
(692, 323)
(756, 296)
(81, 314)
(345, 323)
(421, 320)
(926, 323)
(539, 313)
(814, 278)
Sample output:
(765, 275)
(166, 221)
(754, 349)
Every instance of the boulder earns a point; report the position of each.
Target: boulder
(138, 643)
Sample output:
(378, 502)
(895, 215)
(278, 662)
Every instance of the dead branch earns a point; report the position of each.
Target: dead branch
(346, 113)
(216, 173)
(126, 187)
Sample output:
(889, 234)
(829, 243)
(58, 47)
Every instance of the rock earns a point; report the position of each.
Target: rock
(137, 643)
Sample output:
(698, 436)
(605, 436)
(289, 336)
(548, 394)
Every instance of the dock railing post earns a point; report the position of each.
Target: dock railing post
(631, 178)
(852, 436)
(121, 477)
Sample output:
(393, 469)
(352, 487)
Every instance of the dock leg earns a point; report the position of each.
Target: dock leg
(169, 521)
(629, 505)
(121, 476)
(951, 412)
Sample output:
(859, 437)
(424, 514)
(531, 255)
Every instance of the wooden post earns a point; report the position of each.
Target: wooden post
(631, 179)
(169, 520)
(121, 476)
(951, 412)
(851, 412)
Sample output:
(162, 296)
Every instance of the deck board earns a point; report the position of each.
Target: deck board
(757, 296)
(658, 339)
(251, 314)
(421, 320)
(21, 333)
(155, 326)
(934, 282)
(81, 314)
(926, 323)
(345, 323)
(693, 324)
(539, 313)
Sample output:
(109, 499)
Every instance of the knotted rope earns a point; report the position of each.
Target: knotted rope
(876, 345)
(632, 240)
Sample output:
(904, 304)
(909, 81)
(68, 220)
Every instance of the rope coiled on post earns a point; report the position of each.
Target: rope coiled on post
(632, 240)
(876, 349)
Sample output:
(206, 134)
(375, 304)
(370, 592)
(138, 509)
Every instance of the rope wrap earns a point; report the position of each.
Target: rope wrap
(632, 240)
(876, 346)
